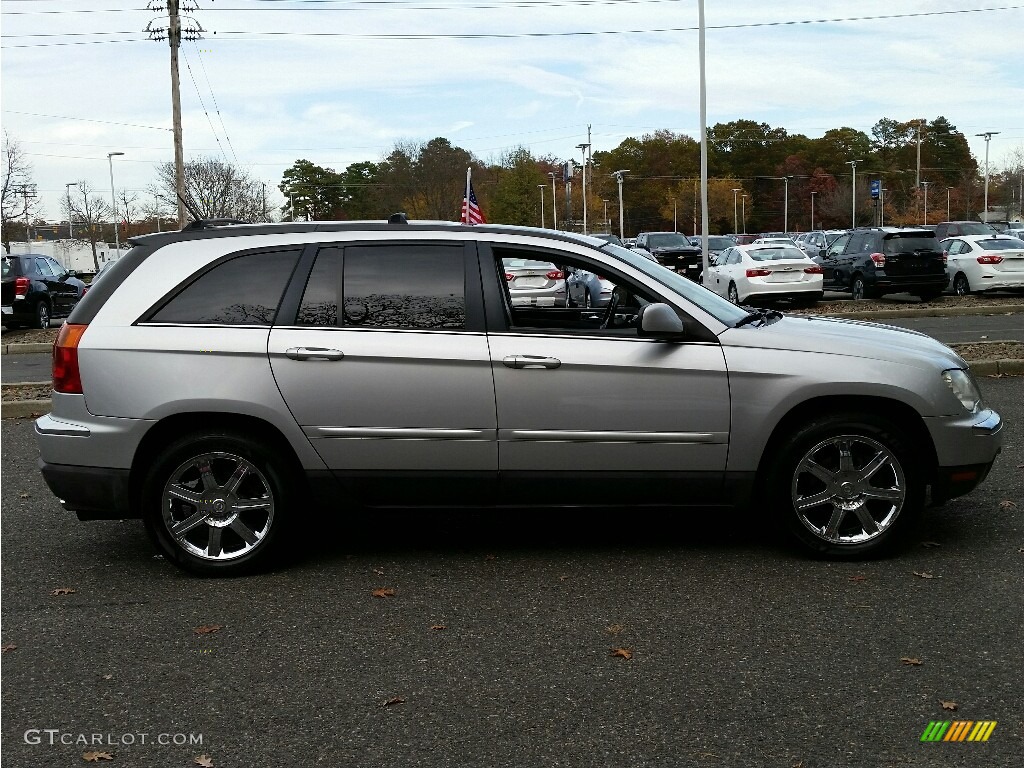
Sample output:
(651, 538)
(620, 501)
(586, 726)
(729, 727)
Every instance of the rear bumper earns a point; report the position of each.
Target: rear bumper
(93, 493)
(909, 283)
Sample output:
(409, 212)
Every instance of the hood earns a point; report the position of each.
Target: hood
(849, 338)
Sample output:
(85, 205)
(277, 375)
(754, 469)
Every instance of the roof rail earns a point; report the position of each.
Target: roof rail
(211, 223)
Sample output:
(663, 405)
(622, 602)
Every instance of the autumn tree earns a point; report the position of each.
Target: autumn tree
(214, 188)
(428, 181)
(90, 212)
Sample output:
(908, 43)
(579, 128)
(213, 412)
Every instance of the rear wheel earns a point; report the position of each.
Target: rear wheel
(961, 285)
(860, 290)
(42, 315)
(848, 485)
(734, 295)
(215, 504)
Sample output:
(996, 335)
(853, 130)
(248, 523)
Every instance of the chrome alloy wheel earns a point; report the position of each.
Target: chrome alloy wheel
(848, 489)
(217, 506)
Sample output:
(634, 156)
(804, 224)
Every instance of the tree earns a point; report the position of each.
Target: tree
(427, 181)
(311, 191)
(361, 192)
(18, 202)
(214, 188)
(90, 211)
(516, 198)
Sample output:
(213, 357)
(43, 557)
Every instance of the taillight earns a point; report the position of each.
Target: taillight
(758, 272)
(813, 270)
(85, 290)
(879, 259)
(509, 277)
(67, 378)
(21, 285)
(989, 258)
(555, 274)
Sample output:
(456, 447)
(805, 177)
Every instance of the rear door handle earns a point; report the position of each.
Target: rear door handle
(530, 361)
(313, 353)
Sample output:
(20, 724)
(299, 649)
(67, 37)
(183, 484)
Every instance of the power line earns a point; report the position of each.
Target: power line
(216, 106)
(85, 119)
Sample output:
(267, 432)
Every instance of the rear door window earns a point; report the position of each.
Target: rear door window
(243, 290)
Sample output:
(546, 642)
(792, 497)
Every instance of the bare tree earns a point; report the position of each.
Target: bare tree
(215, 189)
(128, 211)
(89, 211)
(18, 198)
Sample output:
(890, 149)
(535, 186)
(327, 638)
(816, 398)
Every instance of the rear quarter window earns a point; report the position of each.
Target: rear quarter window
(244, 290)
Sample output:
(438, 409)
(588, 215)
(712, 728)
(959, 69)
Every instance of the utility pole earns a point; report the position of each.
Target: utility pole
(26, 191)
(988, 137)
(174, 33)
(917, 183)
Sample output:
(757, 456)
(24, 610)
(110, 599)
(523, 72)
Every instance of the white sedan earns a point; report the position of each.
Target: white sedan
(773, 271)
(977, 263)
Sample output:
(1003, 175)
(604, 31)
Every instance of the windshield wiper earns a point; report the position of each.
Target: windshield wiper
(755, 314)
(752, 316)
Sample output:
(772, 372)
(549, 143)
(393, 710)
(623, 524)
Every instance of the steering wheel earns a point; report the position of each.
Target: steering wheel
(613, 304)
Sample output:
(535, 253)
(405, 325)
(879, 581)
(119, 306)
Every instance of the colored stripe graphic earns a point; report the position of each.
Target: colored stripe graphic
(958, 730)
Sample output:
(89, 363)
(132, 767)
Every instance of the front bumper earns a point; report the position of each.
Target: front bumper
(966, 447)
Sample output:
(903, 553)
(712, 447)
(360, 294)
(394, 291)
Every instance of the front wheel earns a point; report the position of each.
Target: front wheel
(961, 285)
(215, 504)
(734, 295)
(859, 289)
(849, 486)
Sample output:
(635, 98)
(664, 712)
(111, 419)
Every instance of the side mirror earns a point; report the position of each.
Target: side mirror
(660, 321)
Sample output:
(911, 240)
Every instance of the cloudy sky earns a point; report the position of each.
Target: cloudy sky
(341, 81)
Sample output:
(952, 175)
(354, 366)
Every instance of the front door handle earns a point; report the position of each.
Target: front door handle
(530, 361)
(313, 353)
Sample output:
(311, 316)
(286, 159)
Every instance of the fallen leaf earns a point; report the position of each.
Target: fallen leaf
(952, 706)
(438, 627)
(63, 591)
(204, 760)
(924, 574)
(208, 629)
(8, 647)
(393, 701)
(614, 629)
(562, 578)
(108, 677)
(859, 577)
(383, 592)
(95, 757)
(1007, 504)
(911, 662)
(624, 653)
(378, 571)
(984, 337)
(930, 544)
(24, 495)
(491, 557)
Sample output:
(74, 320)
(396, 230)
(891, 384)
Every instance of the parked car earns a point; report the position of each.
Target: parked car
(535, 282)
(874, 261)
(716, 243)
(36, 289)
(979, 263)
(946, 229)
(585, 289)
(609, 238)
(224, 384)
(745, 239)
(815, 241)
(673, 250)
(748, 273)
(776, 240)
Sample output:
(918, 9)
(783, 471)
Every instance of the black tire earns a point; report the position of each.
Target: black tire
(587, 302)
(41, 318)
(734, 295)
(230, 531)
(961, 285)
(861, 506)
(860, 289)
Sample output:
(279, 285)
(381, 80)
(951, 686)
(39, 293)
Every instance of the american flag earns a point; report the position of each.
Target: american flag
(474, 215)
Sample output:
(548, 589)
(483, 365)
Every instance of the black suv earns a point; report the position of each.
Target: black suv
(37, 288)
(874, 261)
(673, 250)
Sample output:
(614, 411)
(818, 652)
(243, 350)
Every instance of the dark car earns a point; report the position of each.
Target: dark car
(946, 229)
(673, 250)
(874, 261)
(36, 289)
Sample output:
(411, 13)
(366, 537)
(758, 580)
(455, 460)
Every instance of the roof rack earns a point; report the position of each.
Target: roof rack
(211, 223)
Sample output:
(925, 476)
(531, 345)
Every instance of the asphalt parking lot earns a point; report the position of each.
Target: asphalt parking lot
(519, 638)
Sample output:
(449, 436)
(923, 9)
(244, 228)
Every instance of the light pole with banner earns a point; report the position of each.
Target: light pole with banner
(113, 199)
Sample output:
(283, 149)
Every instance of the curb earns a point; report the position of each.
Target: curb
(27, 348)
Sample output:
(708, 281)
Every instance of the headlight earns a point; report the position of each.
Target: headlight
(963, 386)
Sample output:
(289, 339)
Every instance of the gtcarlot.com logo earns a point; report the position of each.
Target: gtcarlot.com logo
(958, 730)
(54, 736)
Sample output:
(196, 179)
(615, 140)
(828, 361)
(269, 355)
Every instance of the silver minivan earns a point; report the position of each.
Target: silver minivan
(222, 381)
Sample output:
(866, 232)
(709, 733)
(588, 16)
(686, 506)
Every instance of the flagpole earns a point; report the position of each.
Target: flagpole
(465, 215)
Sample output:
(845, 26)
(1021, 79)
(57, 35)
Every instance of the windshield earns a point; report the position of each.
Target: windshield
(776, 253)
(720, 243)
(975, 228)
(670, 240)
(716, 306)
(1002, 244)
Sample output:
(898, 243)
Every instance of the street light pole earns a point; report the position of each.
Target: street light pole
(542, 187)
(735, 220)
(606, 222)
(584, 148)
(881, 223)
(554, 202)
(785, 208)
(743, 203)
(988, 136)
(812, 210)
(947, 202)
(68, 187)
(618, 178)
(113, 199)
(925, 185)
(853, 208)
(675, 225)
